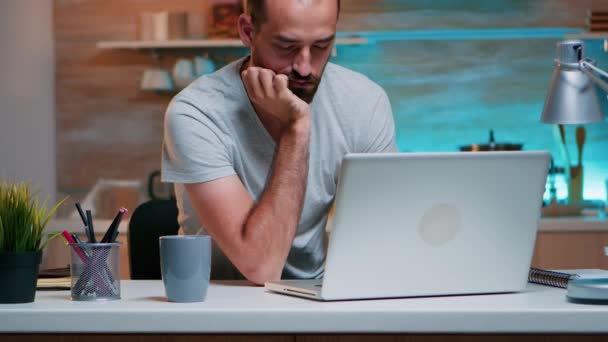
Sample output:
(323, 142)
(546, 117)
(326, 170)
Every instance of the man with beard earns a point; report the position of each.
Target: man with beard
(254, 149)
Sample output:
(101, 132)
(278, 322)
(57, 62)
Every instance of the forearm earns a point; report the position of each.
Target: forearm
(272, 223)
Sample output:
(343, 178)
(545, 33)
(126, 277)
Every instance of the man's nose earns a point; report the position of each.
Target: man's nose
(301, 62)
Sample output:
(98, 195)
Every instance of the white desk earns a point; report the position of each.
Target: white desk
(235, 308)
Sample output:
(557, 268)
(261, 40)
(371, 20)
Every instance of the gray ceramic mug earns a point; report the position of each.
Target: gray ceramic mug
(185, 262)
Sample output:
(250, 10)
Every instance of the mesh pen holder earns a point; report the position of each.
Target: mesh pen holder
(95, 271)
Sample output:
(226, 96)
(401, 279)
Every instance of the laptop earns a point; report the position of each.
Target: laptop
(430, 224)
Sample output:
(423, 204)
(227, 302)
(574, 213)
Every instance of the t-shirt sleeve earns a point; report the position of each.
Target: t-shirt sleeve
(380, 136)
(195, 149)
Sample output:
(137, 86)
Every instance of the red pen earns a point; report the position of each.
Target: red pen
(78, 251)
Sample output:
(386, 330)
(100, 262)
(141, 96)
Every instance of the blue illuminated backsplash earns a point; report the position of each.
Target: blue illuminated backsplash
(448, 88)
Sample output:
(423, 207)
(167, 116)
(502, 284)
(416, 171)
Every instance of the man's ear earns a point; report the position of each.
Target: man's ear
(246, 30)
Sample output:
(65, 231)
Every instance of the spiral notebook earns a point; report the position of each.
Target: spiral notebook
(550, 278)
(560, 278)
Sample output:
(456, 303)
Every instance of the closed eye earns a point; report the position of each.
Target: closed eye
(285, 47)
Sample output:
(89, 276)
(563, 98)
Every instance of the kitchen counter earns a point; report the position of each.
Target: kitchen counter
(574, 224)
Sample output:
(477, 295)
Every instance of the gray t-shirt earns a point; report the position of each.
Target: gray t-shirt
(212, 131)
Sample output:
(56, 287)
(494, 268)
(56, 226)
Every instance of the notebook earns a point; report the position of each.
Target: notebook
(54, 279)
(427, 224)
(560, 278)
(54, 284)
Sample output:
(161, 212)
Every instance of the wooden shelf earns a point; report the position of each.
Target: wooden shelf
(192, 43)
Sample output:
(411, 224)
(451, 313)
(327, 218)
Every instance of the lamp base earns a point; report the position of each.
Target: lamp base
(588, 291)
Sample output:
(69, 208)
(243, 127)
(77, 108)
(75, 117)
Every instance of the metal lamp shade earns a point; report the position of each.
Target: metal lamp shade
(572, 96)
(572, 99)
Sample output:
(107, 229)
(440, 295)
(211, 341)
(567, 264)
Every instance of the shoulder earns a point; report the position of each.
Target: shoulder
(213, 97)
(350, 83)
(352, 95)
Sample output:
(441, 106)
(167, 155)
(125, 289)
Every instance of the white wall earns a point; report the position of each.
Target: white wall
(27, 93)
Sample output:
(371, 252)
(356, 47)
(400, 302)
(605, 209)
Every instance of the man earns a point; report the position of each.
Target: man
(255, 148)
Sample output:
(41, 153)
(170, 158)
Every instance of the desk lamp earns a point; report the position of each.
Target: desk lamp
(572, 96)
(572, 99)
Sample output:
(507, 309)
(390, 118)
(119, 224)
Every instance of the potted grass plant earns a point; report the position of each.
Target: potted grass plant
(22, 223)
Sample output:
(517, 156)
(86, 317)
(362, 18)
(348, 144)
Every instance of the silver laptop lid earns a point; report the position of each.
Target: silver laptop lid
(413, 224)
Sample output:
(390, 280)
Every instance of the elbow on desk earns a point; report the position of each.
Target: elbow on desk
(262, 273)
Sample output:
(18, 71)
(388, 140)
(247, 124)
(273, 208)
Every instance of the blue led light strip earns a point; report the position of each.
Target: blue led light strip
(464, 34)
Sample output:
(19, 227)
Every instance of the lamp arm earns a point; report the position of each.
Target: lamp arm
(585, 66)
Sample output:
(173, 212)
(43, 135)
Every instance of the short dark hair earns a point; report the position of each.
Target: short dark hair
(256, 9)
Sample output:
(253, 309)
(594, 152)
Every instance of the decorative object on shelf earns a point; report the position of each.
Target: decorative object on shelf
(203, 65)
(160, 80)
(225, 16)
(597, 21)
(162, 26)
(22, 223)
(157, 79)
(183, 73)
(198, 25)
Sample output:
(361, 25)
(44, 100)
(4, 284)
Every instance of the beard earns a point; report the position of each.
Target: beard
(307, 93)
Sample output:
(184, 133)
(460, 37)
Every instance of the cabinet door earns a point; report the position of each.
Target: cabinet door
(565, 250)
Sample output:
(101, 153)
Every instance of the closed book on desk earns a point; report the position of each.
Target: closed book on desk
(54, 279)
(51, 284)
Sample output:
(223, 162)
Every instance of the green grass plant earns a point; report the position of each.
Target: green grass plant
(23, 218)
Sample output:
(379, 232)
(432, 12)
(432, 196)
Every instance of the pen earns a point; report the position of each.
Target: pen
(114, 236)
(87, 233)
(78, 251)
(109, 235)
(84, 221)
(90, 225)
(79, 208)
(77, 240)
